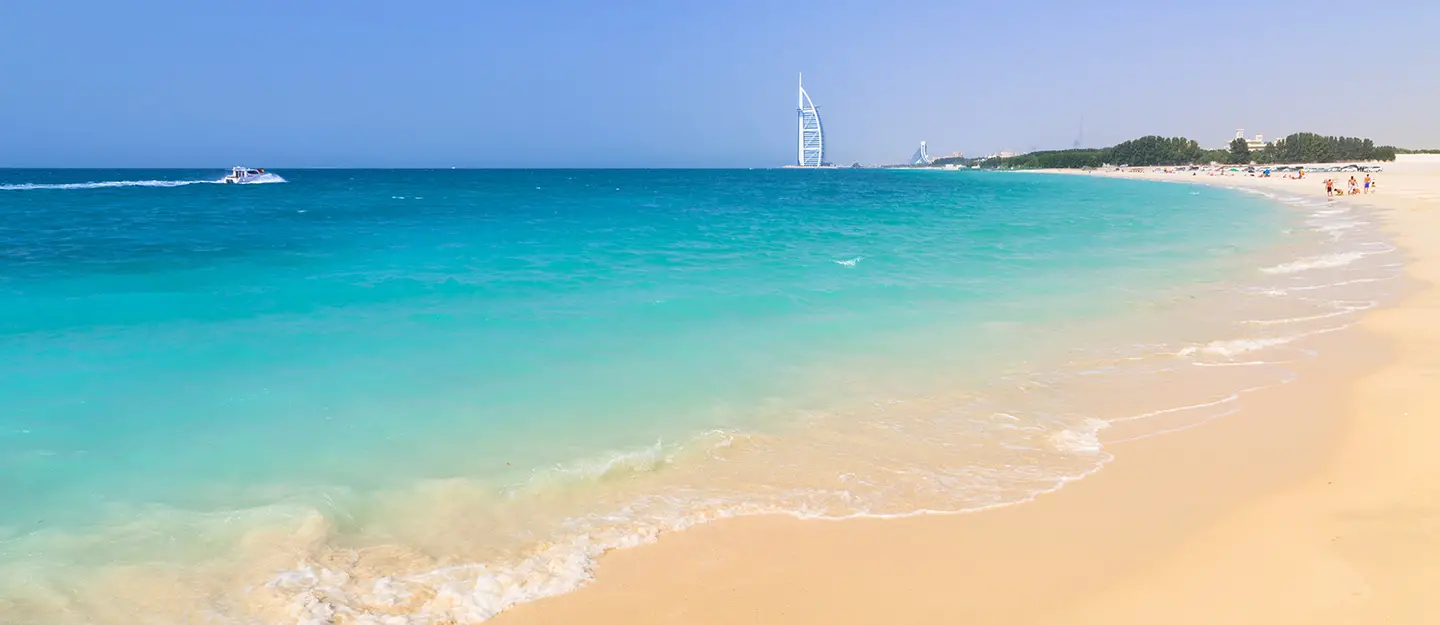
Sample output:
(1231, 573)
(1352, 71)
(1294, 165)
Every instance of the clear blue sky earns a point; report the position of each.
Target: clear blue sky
(678, 83)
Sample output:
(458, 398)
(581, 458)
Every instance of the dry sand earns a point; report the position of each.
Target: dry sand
(1318, 503)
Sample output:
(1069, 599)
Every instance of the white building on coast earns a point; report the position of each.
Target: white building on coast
(811, 138)
(1258, 143)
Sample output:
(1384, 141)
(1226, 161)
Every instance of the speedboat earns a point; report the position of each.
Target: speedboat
(240, 175)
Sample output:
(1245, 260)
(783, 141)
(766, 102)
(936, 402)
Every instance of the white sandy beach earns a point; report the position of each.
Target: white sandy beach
(1318, 503)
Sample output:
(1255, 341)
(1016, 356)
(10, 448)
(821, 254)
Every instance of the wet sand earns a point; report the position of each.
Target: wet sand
(1319, 502)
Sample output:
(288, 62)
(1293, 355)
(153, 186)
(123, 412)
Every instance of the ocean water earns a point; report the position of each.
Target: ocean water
(430, 395)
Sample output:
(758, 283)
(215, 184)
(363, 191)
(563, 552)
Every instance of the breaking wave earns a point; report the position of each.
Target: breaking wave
(1327, 261)
(1234, 347)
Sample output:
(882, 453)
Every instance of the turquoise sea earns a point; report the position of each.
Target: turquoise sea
(447, 391)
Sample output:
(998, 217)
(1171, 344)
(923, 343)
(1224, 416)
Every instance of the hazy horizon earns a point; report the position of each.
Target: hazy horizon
(648, 84)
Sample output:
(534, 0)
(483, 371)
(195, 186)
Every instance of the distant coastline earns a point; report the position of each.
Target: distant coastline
(1157, 151)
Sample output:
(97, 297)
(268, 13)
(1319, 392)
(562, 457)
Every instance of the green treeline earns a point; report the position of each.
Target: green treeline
(1048, 159)
(1308, 147)
(1154, 151)
(1404, 151)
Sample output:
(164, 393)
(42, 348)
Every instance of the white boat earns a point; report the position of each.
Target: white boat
(241, 175)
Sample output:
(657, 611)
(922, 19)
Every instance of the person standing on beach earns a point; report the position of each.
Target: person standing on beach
(1367, 184)
(1354, 187)
(1329, 188)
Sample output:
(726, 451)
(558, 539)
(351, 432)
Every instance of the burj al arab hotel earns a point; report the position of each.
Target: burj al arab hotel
(812, 134)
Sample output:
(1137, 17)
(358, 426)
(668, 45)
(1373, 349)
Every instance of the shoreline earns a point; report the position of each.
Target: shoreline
(1179, 528)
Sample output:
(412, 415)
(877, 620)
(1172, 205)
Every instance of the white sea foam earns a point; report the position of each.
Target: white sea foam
(1228, 399)
(1327, 261)
(849, 263)
(474, 593)
(1295, 200)
(1283, 292)
(1259, 192)
(1084, 439)
(1234, 347)
(326, 590)
(109, 184)
(1315, 287)
(1336, 229)
(1271, 292)
(1156, 413)
(459, 594)
(265, 178)
(1177, 428)
(1231, 401)
(1343, 309)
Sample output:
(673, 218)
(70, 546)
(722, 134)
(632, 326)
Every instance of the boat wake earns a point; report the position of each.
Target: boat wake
(263, 179)
(111, 184)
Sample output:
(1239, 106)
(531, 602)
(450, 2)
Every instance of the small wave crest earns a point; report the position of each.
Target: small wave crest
(849, 263)
(1331, 285)
(614, 465)
(1286, 291)
(1327, 261)
(1336, 229)
(1342, 309)
(1234, 347)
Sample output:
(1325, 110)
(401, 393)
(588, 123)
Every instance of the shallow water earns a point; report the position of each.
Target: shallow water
(434, 394)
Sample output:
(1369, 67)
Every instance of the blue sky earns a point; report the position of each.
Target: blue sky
(649, 83)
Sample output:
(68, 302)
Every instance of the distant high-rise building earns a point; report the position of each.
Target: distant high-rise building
(812, 134)
(921, 156)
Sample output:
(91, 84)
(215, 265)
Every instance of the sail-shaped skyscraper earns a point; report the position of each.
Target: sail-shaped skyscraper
(812, 135)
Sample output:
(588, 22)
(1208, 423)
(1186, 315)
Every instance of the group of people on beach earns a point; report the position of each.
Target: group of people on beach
(1332, 189)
